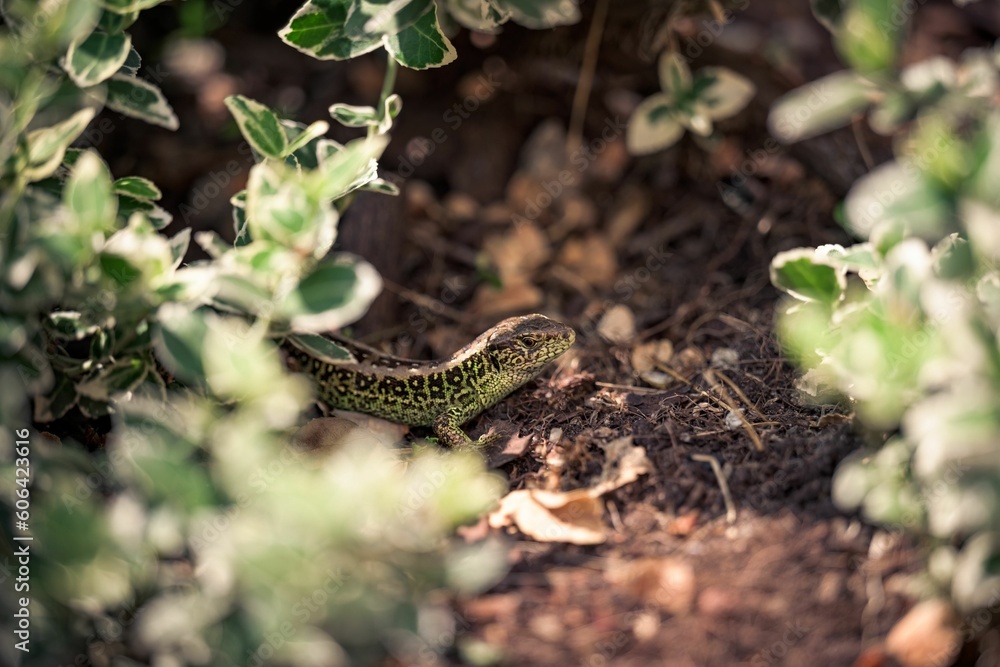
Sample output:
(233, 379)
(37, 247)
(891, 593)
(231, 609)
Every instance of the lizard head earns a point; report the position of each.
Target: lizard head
(520, 346)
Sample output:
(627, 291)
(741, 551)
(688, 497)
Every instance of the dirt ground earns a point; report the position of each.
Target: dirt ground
(661, 265)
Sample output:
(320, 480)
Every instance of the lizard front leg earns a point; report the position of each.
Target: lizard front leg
(447, 427)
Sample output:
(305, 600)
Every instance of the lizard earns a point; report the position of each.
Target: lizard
(442, 394)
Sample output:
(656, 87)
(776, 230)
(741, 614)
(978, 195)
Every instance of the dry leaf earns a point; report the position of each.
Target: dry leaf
(591, 258)
(617, 325)
(725, 357)
(514, 448)
(624, 464)
(460, 206)
(553, 516)
(688, 361)
(518, 253)
(926, 636)
(668, 583)
(574, 516)
(647, 356)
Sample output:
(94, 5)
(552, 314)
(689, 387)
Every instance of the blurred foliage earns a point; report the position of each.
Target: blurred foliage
(200, 533)
(906, 324)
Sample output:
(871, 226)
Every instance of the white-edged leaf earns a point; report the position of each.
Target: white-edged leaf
(541, 14)
(351, 167)
(140, 99)
(334, 294)
(96, 58)
(653, 126)
(725, 95)
(317, 129)
(259, 125)
(47, 146)
(138, 187)
(317, 29)
(807, 276)
(675, 75)
(88, 194)
(823, 105)
(422, 45)
(128, 6)
(351, 115)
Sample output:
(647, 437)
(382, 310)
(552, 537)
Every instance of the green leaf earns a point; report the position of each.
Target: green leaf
(333, 295)
(317, 129)
(477, 15)
(112, 22)
(808, 277)
(56, 402)
(122, 376)
(137, 187)
(158, 216)
(317, 29)
(541, 14)
(422, 45)
(652, 127)
(139, 99)
(351, 167)
(238, 294)
(371, 19)
(322, 348)
(381, 186)
(868, 34)
(132, 63)
(724, 94)
(120, 270)
(260, 126)
(88, 195)
(820, 106)
(675, 75)
(96, 58)
(279, 208)
(893, 199)
(47, 146)
(68, 325)
(179, 246)
(179, 339)
(350, 115)
(43, 28)
(128, 6)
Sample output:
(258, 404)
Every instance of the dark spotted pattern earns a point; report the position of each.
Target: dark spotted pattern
(443, 394)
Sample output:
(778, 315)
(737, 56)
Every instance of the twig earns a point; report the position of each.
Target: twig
(739, 392)
(723, 484)
(631, 388)
(586, 81)
(424, 301)
(727, 401)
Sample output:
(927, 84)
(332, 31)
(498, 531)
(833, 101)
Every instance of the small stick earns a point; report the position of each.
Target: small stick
(424, 301)
(723, 484)
(739, 392)
(631, 388)
(574, 137)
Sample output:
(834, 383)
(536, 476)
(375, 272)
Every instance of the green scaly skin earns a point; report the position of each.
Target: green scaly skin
(441, 394)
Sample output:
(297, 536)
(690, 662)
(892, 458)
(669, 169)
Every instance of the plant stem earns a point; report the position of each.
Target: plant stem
(391, 67)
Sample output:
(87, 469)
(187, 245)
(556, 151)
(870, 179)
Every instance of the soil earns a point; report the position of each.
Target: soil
(681, 242)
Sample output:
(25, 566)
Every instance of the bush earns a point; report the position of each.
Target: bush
(906, 323)
(200, 534)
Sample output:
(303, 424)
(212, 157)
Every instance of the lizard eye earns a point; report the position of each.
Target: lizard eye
(528, 342)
